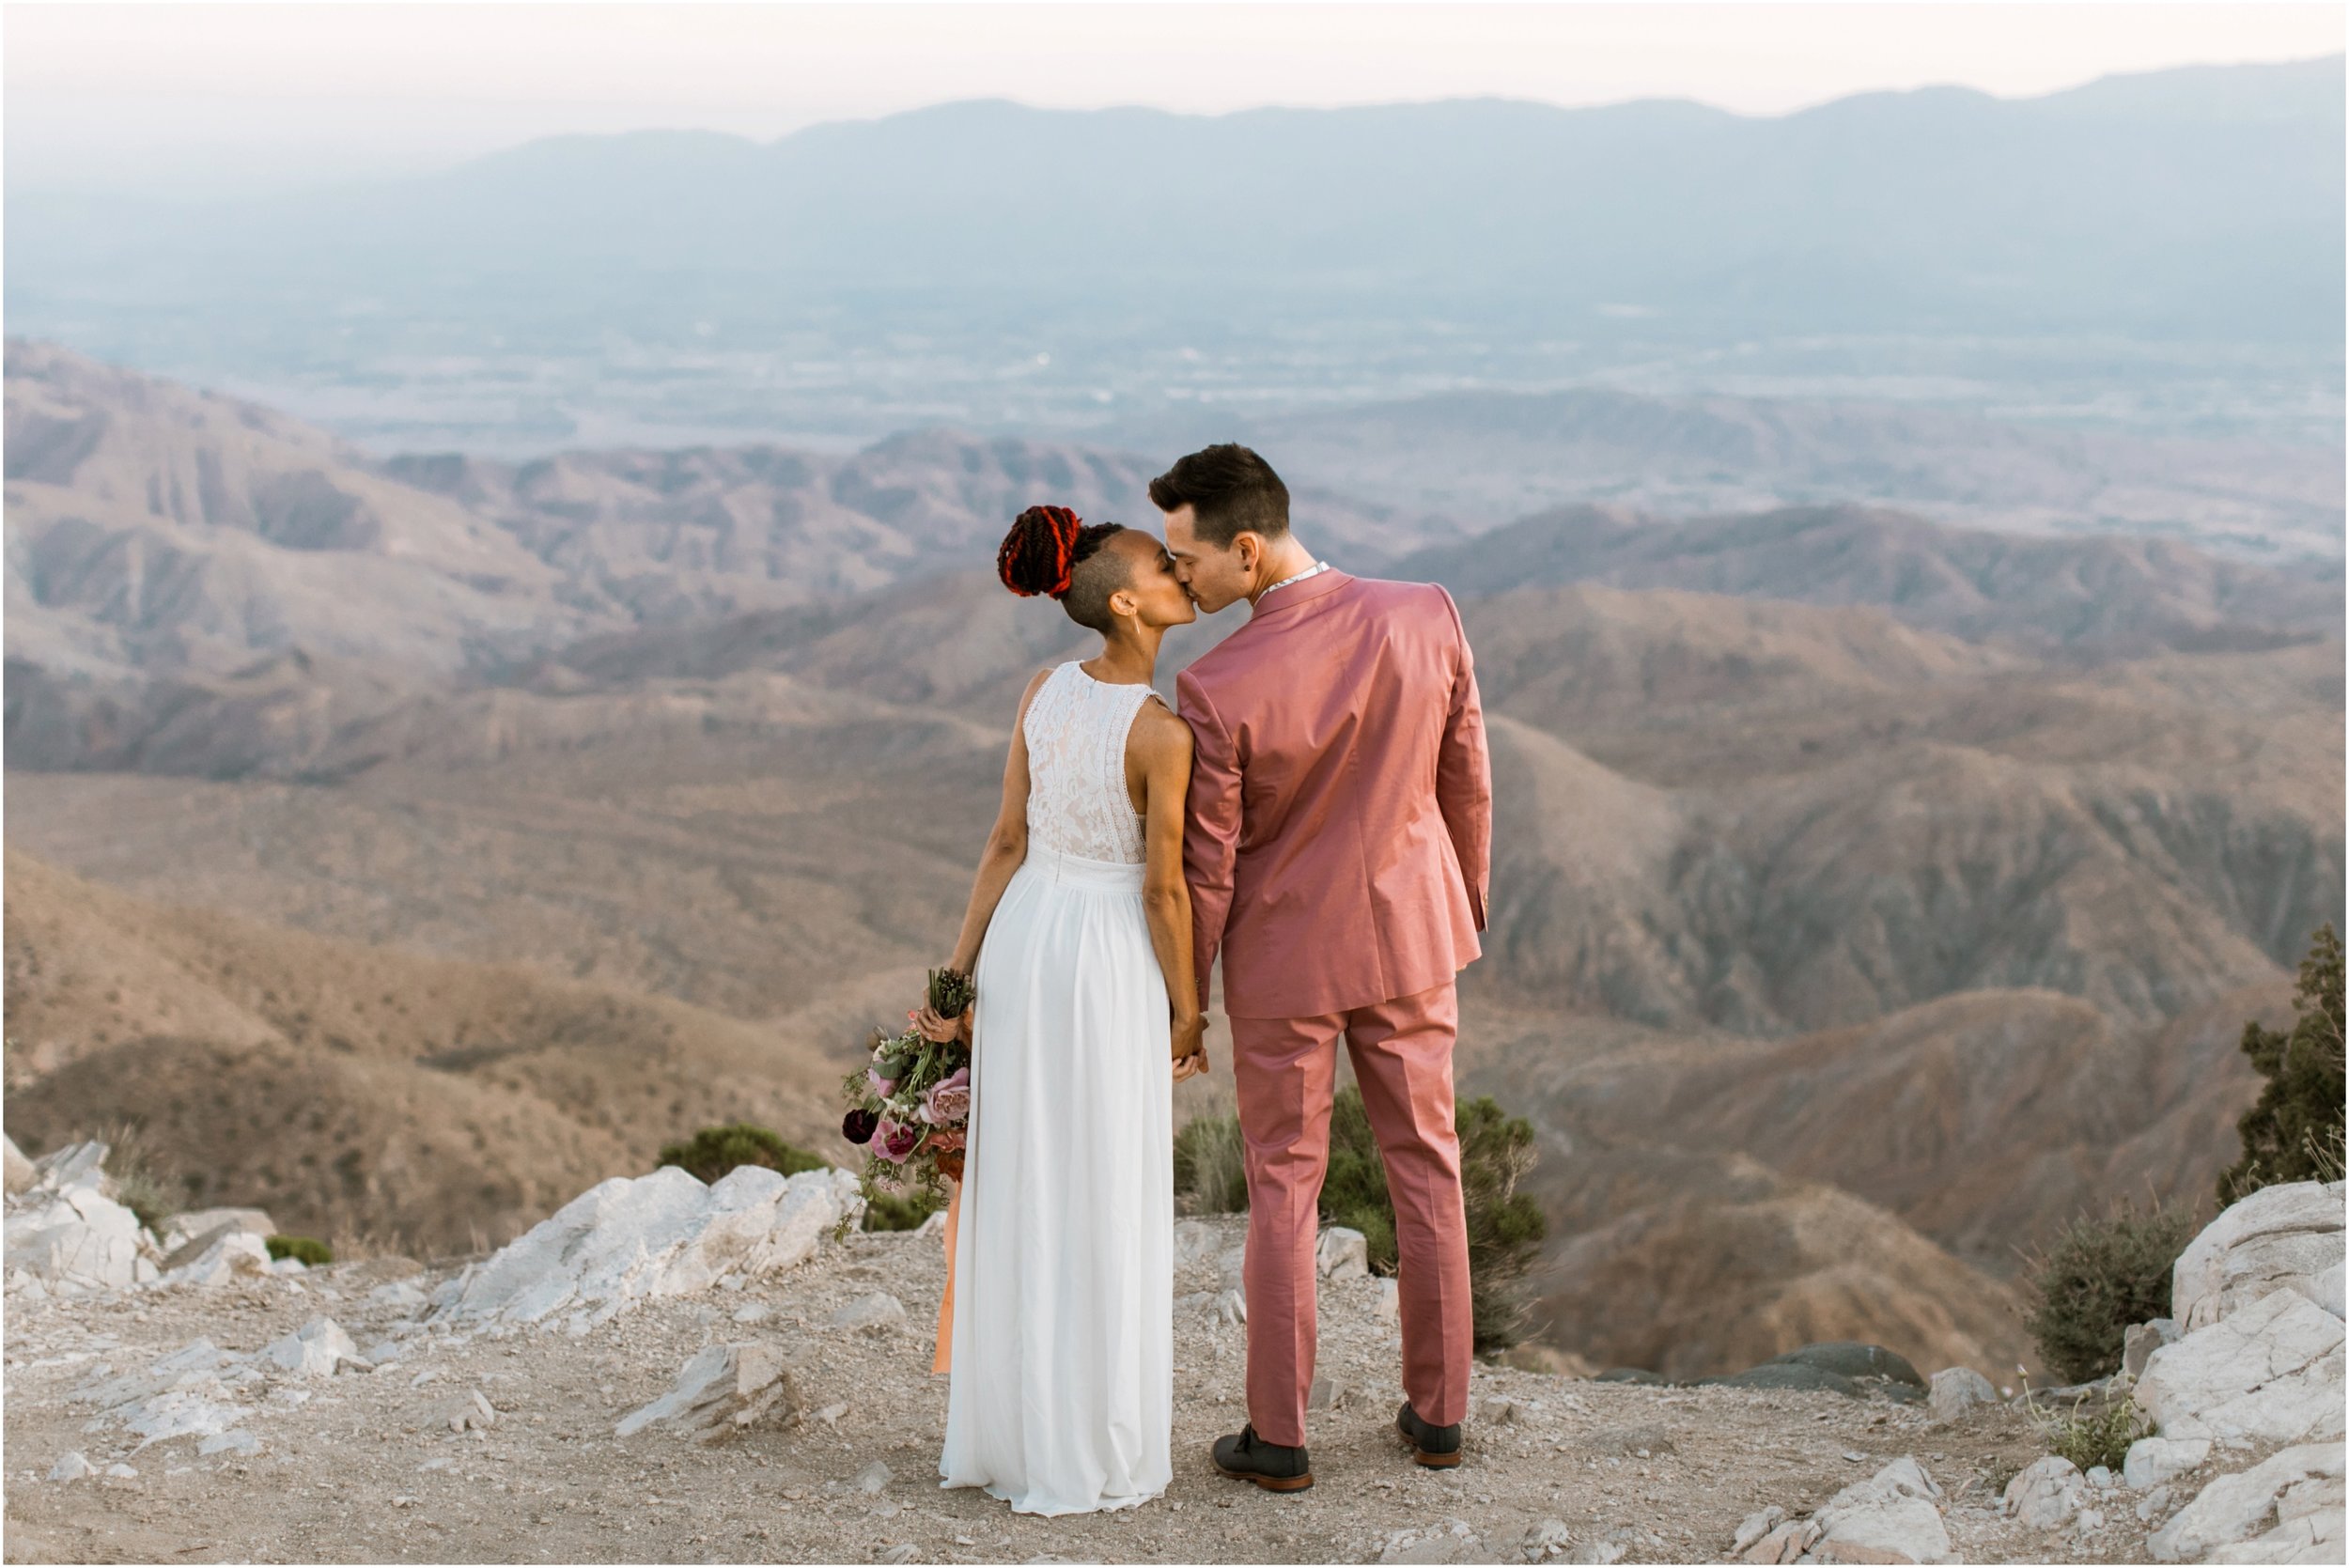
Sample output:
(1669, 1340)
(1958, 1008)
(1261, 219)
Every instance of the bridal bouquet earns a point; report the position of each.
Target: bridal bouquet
(910, 1105)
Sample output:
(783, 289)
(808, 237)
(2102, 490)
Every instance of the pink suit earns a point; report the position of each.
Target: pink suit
(1338, 851)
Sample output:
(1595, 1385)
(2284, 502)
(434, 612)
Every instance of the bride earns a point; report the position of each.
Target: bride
(1060, 1321)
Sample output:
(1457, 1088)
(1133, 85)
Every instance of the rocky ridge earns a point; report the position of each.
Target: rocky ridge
(664, 1370)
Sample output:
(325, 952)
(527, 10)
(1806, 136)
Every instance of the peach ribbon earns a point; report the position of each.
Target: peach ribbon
(946, 1301)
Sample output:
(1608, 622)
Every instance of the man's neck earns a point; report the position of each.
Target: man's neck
(1282, 560)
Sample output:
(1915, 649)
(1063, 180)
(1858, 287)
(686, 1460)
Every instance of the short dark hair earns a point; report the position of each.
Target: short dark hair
(1230, 492)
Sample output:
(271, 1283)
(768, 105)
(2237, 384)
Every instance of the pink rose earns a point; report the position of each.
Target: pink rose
(881, 1086)
(949, 1098)
(896, 1142)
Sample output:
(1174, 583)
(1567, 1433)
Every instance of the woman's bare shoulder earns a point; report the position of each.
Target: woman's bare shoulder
(1158, 732)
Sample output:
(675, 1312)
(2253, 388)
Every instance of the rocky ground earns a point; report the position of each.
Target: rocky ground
(668, 1370)
(363, 1465)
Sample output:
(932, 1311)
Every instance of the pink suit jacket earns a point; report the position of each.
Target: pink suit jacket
(1339, 840)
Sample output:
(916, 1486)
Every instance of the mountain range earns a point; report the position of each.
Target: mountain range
(1871, 895)
(2157, 252)
(2200, 200)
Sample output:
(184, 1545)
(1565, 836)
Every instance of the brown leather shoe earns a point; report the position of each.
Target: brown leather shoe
(1436, 1446)
(1276, 1467)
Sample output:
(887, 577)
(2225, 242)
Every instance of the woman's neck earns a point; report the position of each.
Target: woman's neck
(1127, 658)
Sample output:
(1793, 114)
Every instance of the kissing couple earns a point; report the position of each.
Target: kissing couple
(1319, 813)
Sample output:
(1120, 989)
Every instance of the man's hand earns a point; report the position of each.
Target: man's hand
(1190, 1045)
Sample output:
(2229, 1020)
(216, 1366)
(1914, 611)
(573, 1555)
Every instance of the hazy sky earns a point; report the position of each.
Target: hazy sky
(206, 98)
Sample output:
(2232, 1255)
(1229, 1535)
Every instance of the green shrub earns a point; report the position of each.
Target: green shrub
(1504, 1226)
(1209, 1170)
(2097, 1279)
(2294, 1133)
(888, 1211)
(310, 1250)
(2091, 1438)
(143, 1180)
(712, 1151)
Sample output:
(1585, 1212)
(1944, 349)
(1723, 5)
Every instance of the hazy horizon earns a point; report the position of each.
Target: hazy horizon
(206, 101)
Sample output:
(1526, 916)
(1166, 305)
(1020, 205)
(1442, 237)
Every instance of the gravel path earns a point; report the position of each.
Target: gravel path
(364, 1466)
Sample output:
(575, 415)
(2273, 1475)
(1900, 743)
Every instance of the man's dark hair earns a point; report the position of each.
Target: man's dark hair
(1229, 490)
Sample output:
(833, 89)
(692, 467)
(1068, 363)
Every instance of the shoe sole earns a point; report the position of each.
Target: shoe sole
(1270, 1483)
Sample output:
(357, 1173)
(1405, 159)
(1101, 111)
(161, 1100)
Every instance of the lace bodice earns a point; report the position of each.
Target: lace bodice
(1078, 803)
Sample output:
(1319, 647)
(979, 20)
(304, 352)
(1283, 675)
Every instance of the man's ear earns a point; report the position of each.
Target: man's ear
(1250, 549)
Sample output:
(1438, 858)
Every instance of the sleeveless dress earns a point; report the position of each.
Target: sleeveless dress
(1061, 1393)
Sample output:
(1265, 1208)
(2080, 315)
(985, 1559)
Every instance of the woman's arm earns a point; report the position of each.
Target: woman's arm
(1162, 744)
(1006, 847)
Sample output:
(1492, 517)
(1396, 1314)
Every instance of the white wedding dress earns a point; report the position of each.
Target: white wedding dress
(1061, 1394)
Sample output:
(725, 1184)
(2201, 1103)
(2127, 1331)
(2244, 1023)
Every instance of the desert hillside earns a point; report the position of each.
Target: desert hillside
(1864, 888)
(363, 1091)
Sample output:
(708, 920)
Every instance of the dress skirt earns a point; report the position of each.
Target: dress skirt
(1061, 1391)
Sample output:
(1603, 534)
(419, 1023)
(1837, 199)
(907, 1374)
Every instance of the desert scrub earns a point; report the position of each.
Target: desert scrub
(2294, 1133)
(1211, 1175)
(891, 1211)
(1504, 1226)
(712, 1151)
(143, 1180)
(2097, 1279)
(2089, 1437)
(309, 1249)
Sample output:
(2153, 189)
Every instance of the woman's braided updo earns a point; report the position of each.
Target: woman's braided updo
(1044, 549)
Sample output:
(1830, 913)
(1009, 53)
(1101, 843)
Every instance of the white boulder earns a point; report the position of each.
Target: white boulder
(1342, 1253)
(313, 1351)
(875, 1312)
(75, 1165)
(1956, 1391)
(2138, 1341)
(2282, 1238)
(2274, 1495)
(20, 1173)
(2269, 1370)
(2155, 1460)
(1892, 1516)
(217, 1257)
(187, 1226)
(399, 1295)
(719, 1392)
(71, 1466)
(2046, 1493)
(73, 1236)
(630, 1238)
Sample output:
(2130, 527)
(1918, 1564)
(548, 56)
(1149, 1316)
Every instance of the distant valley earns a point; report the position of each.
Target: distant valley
(1867, 888)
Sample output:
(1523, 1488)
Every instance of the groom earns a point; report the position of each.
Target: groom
(1337, 850)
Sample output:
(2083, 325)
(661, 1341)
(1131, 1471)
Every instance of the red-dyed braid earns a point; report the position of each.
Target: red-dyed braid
(1040, 551)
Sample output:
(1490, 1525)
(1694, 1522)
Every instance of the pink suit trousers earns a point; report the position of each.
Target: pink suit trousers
(1285, 1071)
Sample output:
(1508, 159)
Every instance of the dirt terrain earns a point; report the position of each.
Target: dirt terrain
(364, 1466)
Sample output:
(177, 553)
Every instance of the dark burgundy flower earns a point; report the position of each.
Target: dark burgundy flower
(857, 1127)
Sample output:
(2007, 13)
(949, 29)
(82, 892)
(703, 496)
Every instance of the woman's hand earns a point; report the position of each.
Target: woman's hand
(1189, 1044)
(931, 1027)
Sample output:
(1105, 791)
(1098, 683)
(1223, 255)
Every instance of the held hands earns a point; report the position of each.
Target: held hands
(1189, 1044)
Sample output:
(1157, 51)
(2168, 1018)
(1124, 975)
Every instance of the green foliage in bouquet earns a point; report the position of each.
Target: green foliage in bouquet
(2094, 1279)
(712, 1151)
(2294, 1132)
(1504, 1226)
(907, 1107)
(312, 1251)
